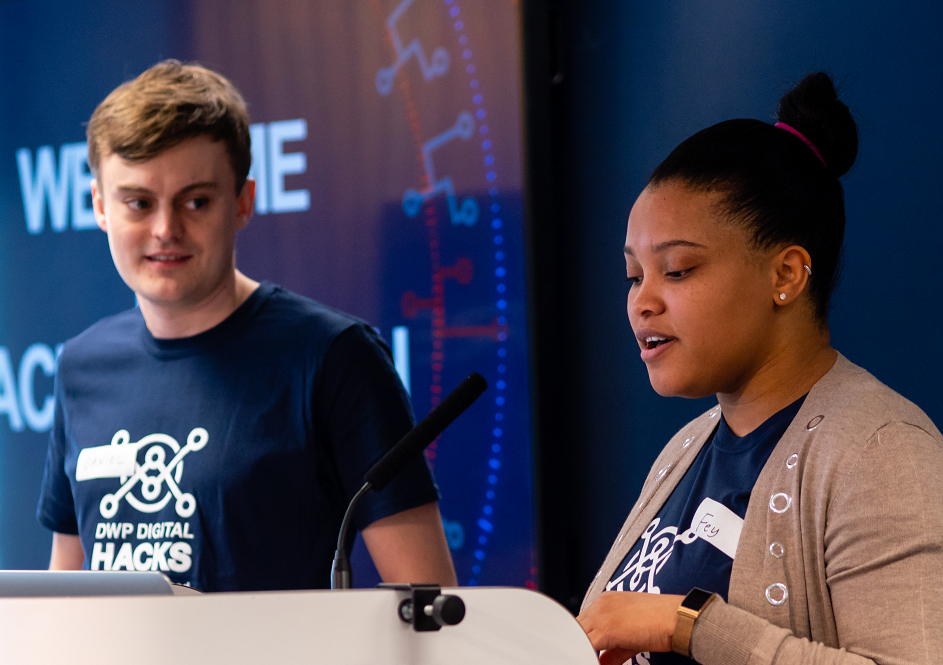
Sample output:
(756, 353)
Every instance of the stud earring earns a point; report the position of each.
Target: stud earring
(782, 296)
(808, 270)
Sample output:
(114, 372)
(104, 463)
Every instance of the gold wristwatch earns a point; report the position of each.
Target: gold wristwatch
(688, 612)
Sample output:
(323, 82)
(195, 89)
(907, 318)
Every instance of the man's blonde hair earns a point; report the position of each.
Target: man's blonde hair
(164, 106)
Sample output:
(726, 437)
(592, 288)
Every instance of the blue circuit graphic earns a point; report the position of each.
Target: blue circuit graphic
(438, 65)
(412, 199)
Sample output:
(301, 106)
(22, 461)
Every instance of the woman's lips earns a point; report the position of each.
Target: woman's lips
(653, 344)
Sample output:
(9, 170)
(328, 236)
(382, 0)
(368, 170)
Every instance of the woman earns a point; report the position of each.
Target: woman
(807, 506)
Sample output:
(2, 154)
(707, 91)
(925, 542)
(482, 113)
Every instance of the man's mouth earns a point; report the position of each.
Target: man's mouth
(167, 258)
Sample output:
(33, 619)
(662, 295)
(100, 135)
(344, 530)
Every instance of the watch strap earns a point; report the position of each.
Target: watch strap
(688, 612)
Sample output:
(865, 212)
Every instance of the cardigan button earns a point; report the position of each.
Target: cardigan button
(777, 594)
(792, 461)
(777, 550)
(714, 412)
(779, 503)
(664, 470)
(815, 422)
(687, 442)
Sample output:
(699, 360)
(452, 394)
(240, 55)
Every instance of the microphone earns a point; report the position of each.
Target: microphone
(381, 473)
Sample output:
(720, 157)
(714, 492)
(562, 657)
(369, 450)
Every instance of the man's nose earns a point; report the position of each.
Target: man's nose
(166, 224)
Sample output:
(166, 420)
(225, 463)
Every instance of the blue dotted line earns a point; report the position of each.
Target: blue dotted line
(486, 521)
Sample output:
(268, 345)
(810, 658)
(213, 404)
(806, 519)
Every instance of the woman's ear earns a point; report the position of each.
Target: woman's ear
(792, 270)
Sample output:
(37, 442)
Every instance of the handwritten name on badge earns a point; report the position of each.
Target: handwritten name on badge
(718, 525)
(106, 462)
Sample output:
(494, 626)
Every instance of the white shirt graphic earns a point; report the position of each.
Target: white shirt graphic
(119, 460)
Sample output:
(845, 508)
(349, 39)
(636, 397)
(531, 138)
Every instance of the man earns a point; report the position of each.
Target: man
(217, 431)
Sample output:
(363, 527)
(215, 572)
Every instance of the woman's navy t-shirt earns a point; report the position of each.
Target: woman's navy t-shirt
(693, 540)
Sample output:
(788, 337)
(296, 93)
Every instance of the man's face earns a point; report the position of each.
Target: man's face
(171, 222)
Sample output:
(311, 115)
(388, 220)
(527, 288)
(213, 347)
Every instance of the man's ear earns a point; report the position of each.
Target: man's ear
(246, 203)
(98, 206)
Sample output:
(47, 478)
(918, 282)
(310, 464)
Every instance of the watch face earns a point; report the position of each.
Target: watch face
(695, 599)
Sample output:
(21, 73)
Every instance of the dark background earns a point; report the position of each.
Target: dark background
(613, 86)
(459, 288)
(610, 87)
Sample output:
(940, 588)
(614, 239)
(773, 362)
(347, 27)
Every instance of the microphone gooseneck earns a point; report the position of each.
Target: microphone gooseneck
(381, 473)
(340, 568)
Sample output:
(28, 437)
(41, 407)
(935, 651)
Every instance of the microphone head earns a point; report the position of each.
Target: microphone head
(426, 431)
(469, 390)
(477, 380)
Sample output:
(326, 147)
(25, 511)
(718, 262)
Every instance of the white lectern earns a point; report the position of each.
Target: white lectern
(501, 625)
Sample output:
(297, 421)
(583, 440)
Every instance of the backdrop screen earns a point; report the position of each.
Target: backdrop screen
(386, 144)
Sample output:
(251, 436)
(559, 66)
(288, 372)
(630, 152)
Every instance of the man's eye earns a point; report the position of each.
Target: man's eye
(138, 204)
(197, 203)
(679, 274)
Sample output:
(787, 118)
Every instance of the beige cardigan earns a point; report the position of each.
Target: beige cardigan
(851, 501)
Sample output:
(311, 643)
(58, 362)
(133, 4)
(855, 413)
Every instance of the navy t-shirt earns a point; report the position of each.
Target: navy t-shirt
(225, 460)
(693, 540)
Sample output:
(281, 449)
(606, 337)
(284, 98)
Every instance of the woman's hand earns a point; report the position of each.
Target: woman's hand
(624, 623)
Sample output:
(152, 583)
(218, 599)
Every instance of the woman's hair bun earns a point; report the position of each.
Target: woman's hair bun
(813, 108)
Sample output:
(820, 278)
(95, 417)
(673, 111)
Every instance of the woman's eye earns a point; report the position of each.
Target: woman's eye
(678, 274)
(633, 281)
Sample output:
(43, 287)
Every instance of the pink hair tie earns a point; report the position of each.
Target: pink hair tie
(793, 130)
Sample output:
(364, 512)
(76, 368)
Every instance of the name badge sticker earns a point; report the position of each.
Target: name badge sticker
(106, 462)
(718, 525)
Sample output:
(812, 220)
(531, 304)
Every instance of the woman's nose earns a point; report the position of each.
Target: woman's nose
(644, 299)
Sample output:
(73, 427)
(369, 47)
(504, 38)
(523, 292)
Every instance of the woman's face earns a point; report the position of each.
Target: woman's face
(701, 298)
